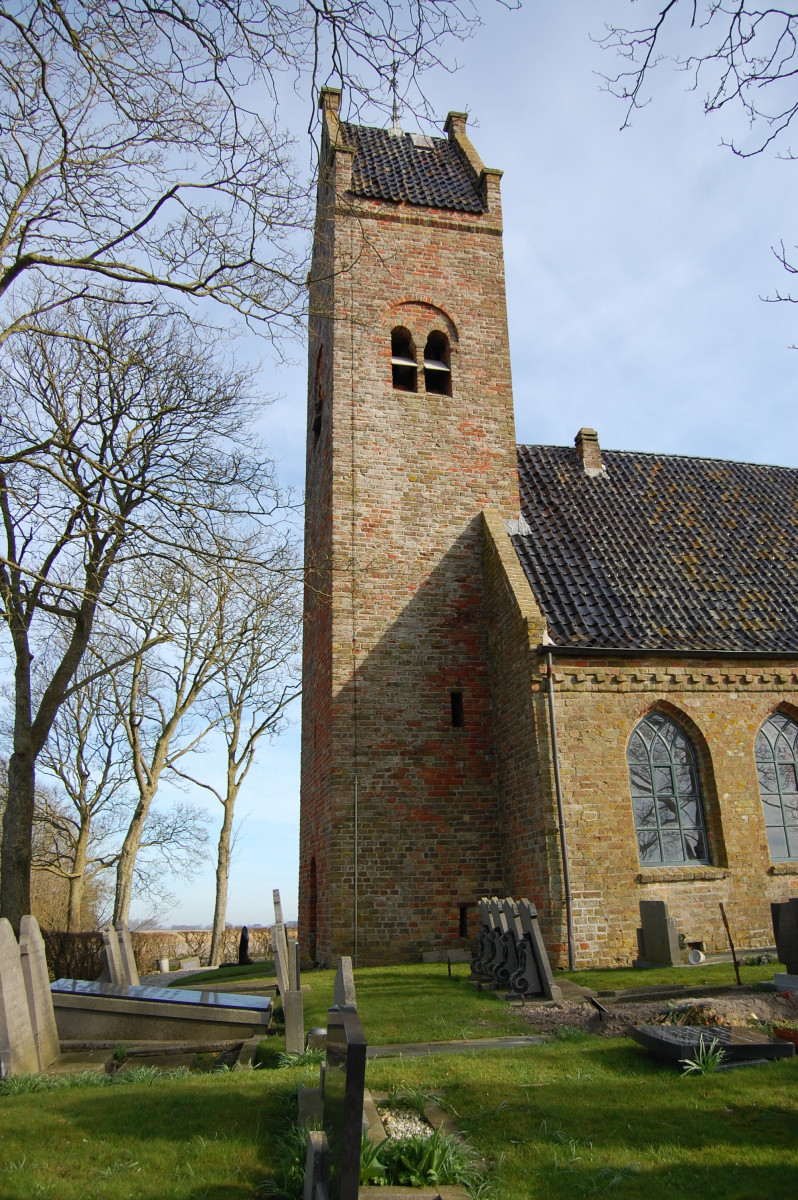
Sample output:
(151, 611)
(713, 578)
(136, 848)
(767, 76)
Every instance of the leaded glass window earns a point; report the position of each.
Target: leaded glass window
(666, 793)
(776, 754)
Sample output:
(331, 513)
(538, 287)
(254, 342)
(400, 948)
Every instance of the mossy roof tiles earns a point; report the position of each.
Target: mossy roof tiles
(390, 166)
(661, 551)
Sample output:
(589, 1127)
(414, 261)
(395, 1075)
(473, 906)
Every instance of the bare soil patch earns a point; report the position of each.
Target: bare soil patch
(746, 1009)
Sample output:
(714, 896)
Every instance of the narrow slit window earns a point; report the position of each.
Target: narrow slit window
(318, 401)
(456, 699)
(464, 920)
(404, 369)
(437, 369)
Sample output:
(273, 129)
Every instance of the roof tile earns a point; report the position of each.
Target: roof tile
(661, 551)
(390, 166)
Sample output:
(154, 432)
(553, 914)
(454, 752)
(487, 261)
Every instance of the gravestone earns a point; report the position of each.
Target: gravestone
(673, 1043)
(658, 939)
(344, 990)
(293, 1011)
(278, 907)
(114, 967)
(127, 957)
(243, 948)
(33, 961)
(785, 932)
(534, 969)
(344, 1082)
(17, 1044)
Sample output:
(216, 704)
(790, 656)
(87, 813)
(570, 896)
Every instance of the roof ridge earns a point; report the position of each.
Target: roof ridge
(734, 462)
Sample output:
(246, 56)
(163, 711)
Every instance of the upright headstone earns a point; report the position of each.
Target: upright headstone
(293, 1011)
(37, 986)
(128, 958)
(343, 1095)
(243, 948)
(533, 939)
(17, 1045)
(113, 954)
(344, 990)
(785, 933)
(658, 937)
(294, 980)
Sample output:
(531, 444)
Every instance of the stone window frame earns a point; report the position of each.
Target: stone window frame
(763, 743)
(701, 825)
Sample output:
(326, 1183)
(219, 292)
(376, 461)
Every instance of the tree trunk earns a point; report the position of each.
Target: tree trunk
(77, 880)
(127, 861)
(222, 878)
(17, 838)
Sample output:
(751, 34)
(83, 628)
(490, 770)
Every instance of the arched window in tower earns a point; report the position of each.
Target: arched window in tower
(776, 755)
(403, 361)
(437, 371)
(318, 395)
(666, 793)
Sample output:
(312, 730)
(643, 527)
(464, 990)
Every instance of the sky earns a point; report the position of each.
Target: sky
(636, 263)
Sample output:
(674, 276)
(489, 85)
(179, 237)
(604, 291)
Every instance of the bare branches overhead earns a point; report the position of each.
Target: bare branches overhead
(742, 54)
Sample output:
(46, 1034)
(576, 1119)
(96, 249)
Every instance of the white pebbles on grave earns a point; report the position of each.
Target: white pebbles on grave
(404, 1123)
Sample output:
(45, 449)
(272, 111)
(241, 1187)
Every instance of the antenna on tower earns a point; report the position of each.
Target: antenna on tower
(396, 128)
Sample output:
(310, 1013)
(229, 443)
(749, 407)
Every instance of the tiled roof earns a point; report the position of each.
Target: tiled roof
(393, 167)
(661, 551)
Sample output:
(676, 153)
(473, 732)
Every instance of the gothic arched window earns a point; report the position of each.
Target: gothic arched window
(403, 360)
(437, 371)
(666, 793)
(776, 755)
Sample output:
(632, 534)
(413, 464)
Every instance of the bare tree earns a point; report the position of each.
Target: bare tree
(259, 678)
(745, 53)
(123, 436)
(83, 752)
(140, 142)
(158, 695)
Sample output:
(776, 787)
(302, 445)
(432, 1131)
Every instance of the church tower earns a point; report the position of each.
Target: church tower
(410, 436)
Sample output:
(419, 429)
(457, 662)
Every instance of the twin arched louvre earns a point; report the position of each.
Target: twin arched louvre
(436, 362)
(666, 793)
(776, 755)
(666, 790)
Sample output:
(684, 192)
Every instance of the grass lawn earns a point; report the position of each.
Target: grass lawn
(585, 1116)
(578, 1116)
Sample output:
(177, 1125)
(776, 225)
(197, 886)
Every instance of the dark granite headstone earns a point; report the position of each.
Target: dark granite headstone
(344, 1081)
(658, 937)
(673, 1043)
(243, 948)
(785, 932)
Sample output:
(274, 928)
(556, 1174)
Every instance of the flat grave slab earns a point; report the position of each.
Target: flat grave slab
(94, 1011)
(163, 995)
(670, 1043)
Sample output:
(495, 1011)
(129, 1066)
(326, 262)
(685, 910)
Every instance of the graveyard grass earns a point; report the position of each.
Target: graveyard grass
(571, 1117)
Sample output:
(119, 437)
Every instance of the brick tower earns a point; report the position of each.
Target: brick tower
(410, 437)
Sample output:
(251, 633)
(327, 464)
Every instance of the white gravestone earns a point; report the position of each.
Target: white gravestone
(126, 953)
(344, 991)
(17, 1046)
(293, 1010)
(37, 985)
